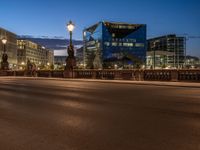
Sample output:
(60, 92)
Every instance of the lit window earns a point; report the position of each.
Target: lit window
(106, 43)
(128, 44)
(120, 44)
(139, 44)
(114, 43)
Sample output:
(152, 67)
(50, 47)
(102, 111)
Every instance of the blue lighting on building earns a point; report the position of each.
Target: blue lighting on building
(114, 45)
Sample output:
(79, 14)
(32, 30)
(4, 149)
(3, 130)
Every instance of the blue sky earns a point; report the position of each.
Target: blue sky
(48, 17)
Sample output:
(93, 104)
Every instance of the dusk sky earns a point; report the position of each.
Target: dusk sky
(48, 17)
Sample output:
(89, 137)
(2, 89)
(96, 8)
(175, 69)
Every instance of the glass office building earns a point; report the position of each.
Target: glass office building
(114, 45)
(167, 51)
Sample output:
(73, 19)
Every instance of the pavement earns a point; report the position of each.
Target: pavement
(156, 83)
(62, 114)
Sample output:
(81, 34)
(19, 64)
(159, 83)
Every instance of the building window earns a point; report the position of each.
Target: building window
(114, 43)
(139, 44)
(107, 43)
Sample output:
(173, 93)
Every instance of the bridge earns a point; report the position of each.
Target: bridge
(135, 75)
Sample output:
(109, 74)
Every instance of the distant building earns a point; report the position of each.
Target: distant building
(59, 62)
(60, 56)
(192, 62)
(27, 50)
(166, 52)
(114, 45)
(79, 58)
(11, 47)
(50, 58)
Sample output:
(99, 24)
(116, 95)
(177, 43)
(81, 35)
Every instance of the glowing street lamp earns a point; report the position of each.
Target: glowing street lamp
(70, 61)
(4, 41)
(4, 63)
(70, 28)
(23, 63)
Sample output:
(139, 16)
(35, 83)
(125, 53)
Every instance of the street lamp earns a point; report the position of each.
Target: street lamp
(70, 28)
(4, 63)
(4, 41)
(70, 61)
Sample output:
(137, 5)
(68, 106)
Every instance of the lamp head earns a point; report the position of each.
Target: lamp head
(70, 26)
(4, 41)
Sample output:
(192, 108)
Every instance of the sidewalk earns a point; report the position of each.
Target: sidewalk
(155, 83)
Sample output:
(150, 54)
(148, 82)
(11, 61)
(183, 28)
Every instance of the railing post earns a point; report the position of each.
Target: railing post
(14, 73)
(174, 75)
(117, 75)
(141, 75)
(133, 75)
(50, 75)
(94, 74)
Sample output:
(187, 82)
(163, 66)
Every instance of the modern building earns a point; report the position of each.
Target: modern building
(166, 52)
(79, 58)
(11, 47)
(192, 62)
(114, 45)
(27, 50)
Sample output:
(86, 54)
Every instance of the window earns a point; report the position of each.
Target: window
(139, 44)
(128, 44)
(106, 43)
(114, 43)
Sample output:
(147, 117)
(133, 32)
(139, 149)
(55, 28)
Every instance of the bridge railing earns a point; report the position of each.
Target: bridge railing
(136, 75)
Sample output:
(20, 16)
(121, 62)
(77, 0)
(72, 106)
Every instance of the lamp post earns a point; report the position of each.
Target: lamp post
(4, 63)
(70, 61)
(70, 28)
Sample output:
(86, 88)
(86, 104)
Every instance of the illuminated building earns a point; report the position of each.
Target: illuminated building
(108, 44)
(43, 58)
(166, 52)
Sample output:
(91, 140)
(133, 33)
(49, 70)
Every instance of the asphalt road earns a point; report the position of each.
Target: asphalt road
(71, 115)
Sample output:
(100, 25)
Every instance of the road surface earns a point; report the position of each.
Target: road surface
(75, 115)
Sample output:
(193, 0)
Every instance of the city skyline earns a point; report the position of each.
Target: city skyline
(41, 18)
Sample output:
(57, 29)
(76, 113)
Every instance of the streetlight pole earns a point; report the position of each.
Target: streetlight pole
(154, 59)
(70, 61)
(70, 33)
(4, 63)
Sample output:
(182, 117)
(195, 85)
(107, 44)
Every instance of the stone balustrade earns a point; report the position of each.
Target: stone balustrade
(136, 75)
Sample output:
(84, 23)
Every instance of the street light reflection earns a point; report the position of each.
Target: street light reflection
(75, 104)
(74, 121)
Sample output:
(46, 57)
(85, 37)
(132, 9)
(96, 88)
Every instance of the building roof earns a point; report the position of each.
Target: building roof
(2, 29)
(118, 29)
(165, 36)
(114, 24)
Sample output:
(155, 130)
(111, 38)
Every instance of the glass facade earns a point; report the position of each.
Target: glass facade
(114, 45)
(166, 52)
